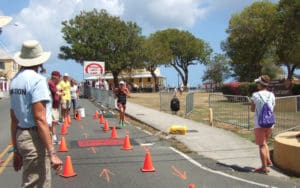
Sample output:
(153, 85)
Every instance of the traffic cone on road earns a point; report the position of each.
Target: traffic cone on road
(192, 186)
(63, 145)
(64, 130)
(148, 167)
(69, 119)
(106, 127)
(68, 168)
(102, 120)
(126, 144)
(78, 116)
(113, 133)
(96, 115)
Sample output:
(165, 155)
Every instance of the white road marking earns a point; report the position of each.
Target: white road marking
(217, 172)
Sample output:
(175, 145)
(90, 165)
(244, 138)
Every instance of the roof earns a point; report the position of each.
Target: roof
(4, 55)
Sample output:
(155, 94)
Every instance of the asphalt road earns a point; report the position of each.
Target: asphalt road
(110, 166)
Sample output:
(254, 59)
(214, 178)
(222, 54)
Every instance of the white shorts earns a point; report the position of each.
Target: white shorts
(55, 115)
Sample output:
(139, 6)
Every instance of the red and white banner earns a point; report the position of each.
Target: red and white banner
(94, 67)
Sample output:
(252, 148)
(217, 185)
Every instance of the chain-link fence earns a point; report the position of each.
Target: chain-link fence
(189, 103)
(104, 97)
(231, 109)
(287, 113)
(186, 104)
(235, 110)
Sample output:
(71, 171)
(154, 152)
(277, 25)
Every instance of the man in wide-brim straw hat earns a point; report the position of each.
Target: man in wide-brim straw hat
(4, 20)
(30, 111)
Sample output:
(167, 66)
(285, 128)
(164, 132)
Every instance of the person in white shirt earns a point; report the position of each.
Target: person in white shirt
(74, 96)
(262, 134)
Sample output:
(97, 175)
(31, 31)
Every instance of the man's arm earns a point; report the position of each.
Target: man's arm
(39, 113)
(17, 161)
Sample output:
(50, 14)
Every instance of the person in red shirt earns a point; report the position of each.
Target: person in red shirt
(55, 93)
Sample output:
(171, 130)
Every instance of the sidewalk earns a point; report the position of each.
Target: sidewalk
(218, 144)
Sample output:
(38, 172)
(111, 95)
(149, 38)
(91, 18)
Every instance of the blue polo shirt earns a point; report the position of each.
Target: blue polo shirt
(27, 88)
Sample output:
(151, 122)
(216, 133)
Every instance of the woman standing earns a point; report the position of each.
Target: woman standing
(74, 96)
(262, 134)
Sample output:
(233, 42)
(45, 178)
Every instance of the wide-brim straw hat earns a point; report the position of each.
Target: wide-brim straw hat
(4, 20)
(31, 54)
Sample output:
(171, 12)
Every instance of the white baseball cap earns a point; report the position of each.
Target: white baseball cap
(122, 82)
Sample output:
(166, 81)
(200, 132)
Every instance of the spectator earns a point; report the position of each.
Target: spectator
(262, 134)
(30, 118)
(74, 96)
(55, 93)
(65, 86)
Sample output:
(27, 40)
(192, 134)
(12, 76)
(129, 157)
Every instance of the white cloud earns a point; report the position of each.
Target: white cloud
(160, 14)
(42, 19)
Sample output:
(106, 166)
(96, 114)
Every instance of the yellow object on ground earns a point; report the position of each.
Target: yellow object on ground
(178, 129)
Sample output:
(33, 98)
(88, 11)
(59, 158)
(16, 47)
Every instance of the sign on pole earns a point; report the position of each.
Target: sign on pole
(94, 67)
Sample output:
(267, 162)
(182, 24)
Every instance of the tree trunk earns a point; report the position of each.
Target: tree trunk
(116, 80)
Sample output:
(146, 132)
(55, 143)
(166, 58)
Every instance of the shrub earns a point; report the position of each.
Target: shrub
(296, 88)
(233, 88)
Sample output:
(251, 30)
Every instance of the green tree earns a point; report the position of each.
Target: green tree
(288, 38)
(217, 70)
(155, 53)
(183, 49)
(98, 36)
(251, 34)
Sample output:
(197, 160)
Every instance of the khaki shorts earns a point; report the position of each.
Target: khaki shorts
(262, 135)
(55, 115)
(65, 104)
(36, 163)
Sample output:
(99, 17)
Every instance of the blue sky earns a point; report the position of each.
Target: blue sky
(40, 19)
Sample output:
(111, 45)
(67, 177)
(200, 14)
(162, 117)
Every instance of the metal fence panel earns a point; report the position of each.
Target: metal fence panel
(287, 113)
(231, 109)
(106, 98)
(165, 99)
(189, 103)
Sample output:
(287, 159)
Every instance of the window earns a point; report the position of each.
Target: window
(149, 79)
(2, 65)
(140, 80)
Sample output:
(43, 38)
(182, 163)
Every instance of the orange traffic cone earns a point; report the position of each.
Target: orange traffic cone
(96, 115)
(102, 120)
(69, 119)
(113, 133)
(63, 145)
(78, 117)
(148, 167)
(126, 144)
(68, 168)
(192, 186)
(64, 130)
(106, 127)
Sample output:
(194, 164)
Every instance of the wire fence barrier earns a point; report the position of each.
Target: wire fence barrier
(104, 97)
(231, 109)
(186, 103)
(287, 113)
(235, 110)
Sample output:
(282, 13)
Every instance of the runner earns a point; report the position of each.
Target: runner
(121, 94)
